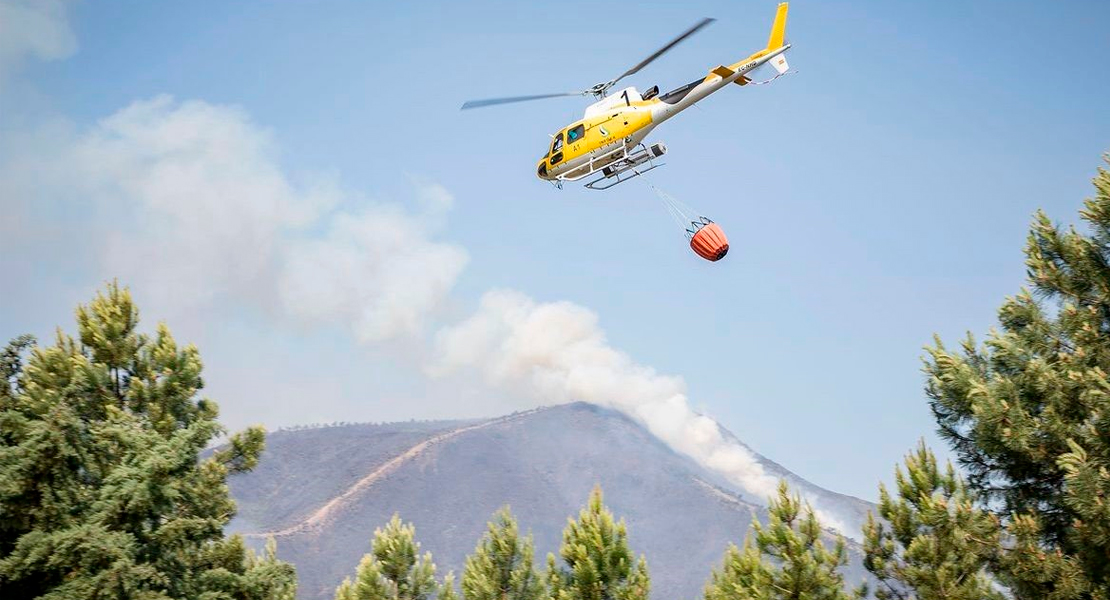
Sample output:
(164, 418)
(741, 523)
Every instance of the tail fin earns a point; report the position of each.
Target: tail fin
(779, 63)
(778, 30)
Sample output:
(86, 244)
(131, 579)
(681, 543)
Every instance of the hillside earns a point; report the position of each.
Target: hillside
(322, 492)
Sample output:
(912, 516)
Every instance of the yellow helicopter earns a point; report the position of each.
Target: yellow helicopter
(609, 140)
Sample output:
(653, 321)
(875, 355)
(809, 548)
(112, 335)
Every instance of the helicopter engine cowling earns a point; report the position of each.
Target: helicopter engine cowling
(624, 97)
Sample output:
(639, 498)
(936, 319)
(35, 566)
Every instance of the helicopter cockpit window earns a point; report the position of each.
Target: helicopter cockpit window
(575, 134)
(557, 145)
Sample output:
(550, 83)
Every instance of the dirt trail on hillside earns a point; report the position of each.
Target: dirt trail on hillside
(333, 506)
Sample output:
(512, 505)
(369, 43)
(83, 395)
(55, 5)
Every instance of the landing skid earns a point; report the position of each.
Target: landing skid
(617, 166)
(616, 179)
(629, 167)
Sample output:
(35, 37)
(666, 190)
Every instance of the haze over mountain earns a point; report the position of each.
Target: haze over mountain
(322, 491)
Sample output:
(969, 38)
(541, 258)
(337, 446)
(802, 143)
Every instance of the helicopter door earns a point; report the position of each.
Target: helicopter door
(557, 149)
(575, 136)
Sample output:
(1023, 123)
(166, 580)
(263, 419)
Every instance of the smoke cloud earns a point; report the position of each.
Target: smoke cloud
(556, 352)
(376, 272)
(33, 28)
(188, 202)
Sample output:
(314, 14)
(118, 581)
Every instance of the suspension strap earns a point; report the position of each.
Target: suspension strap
(766, 81)
(684, 216)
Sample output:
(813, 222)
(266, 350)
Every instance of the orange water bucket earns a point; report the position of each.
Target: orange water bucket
(710, 242)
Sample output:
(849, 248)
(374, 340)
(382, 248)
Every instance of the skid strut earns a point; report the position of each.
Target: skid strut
(616, 166)
(631, 166)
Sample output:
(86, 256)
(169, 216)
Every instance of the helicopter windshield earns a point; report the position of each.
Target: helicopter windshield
(557, 145)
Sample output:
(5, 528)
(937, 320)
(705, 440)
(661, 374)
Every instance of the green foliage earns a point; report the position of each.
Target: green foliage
(555, 579)
(447, 590)
(11, 366)
(394, 569)
(501, 566)
(599, 563)
(1028, 411)
(786, 560)
(933, 541)
(102, 493)
(266, 577)
(743, 575)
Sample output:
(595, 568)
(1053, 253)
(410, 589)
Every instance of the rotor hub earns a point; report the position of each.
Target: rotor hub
(600, 90)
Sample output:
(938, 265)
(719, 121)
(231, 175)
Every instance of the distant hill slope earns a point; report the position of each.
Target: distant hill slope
(323, 491)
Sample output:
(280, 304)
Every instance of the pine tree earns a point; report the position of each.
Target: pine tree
(11, 366)
(554, 579)
(784, 560)
(394, 569)
(262, 570)
(447, 589)
(599, 563)
(102, 490)
(933, 541)
(744, 575)
(1028, 412)
(501, 566)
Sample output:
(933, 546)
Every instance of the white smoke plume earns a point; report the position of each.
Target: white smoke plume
(377, 272)
(196, 208)
(557, 353)
(33, 28)
(187, 202)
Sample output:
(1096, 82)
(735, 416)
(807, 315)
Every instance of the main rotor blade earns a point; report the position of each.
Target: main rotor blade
(660, 52)
(491, 101)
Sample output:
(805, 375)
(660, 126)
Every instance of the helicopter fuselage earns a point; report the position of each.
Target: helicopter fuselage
(613, 126)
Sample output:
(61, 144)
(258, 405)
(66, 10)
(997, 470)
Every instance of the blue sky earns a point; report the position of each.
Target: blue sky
(878, 196)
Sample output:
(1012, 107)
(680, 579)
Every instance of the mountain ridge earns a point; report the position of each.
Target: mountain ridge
(448, 477)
